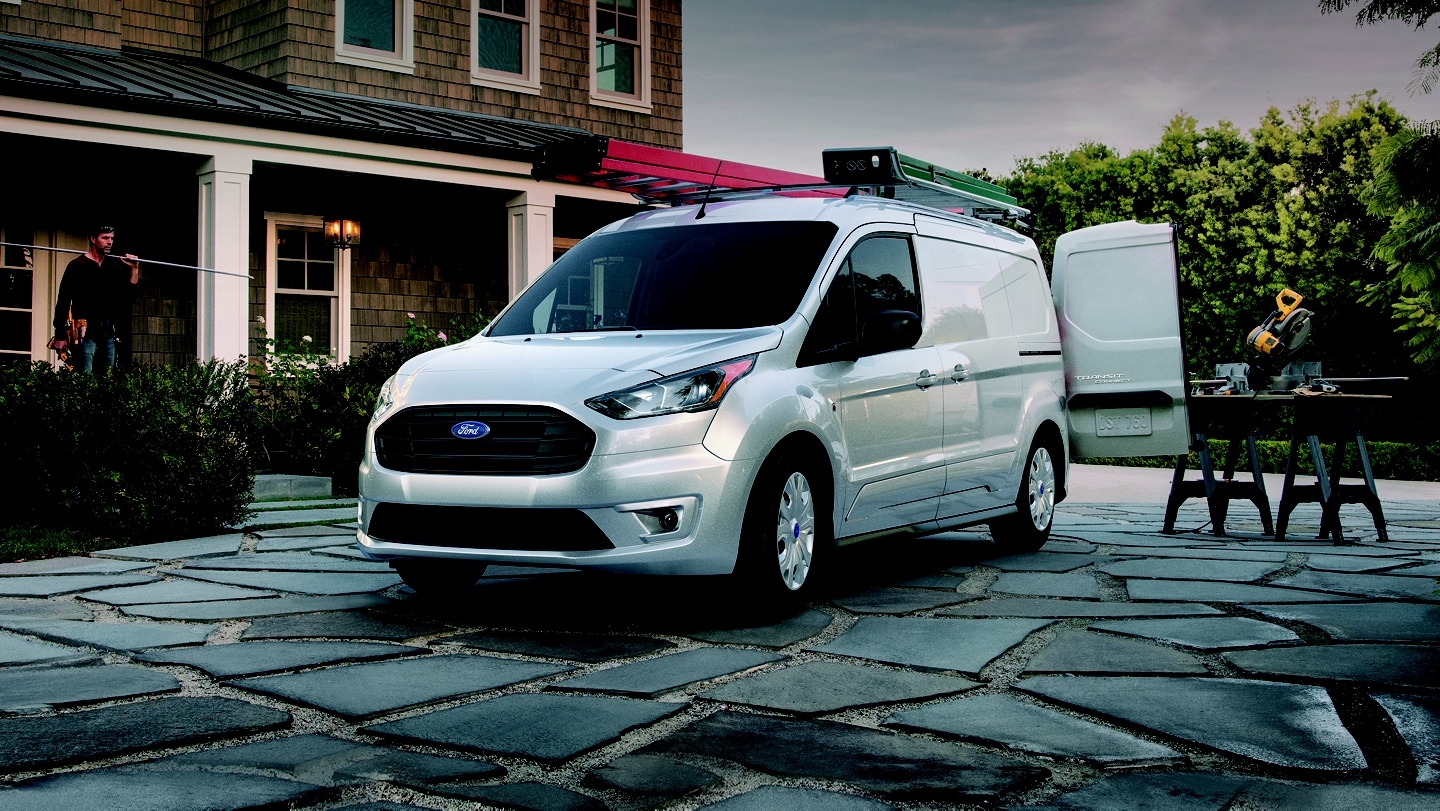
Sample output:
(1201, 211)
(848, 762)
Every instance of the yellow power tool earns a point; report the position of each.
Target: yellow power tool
(1286, 330)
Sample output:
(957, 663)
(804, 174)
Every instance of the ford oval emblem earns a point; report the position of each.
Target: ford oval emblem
(470, 430)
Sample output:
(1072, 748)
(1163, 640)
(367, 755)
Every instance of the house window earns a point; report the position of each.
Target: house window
(17, 273)
(376, 34)
(620, 69)
(307, 287)
(505, 44)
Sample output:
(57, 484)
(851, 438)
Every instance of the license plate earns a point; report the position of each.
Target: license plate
(1122, 422)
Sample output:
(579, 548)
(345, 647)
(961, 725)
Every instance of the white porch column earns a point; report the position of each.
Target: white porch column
(531, 233)
(222, 302)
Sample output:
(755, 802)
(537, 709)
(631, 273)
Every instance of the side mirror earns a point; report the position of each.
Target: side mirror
(889, 330)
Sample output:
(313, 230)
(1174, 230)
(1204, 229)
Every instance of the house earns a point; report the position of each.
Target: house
(223, 134)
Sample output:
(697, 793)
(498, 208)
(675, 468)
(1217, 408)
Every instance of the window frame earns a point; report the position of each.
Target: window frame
(35, 312)
(339, 297)
(401, 60)
(810, 354)
(640, 102)
(529, 80)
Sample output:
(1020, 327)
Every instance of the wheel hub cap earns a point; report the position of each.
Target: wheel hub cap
(1042, 488)
(795, 531)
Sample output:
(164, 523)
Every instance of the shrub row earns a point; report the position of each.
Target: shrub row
(141, 454)
(1388, 460)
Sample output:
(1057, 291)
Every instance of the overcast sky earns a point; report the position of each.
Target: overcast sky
(977, 83)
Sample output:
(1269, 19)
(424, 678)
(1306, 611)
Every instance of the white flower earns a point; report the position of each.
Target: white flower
(409, 315)
(441, 336)
(306, 338)
(259, 319)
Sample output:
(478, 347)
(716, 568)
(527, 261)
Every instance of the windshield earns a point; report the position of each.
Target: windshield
(721, 276)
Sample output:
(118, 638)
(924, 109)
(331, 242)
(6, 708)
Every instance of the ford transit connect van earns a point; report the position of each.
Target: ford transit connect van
(740, 386)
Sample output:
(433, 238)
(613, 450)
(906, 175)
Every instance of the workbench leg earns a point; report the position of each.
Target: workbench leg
(1327, 491)
(1372, 502)
(1213, 498)
(1287, 496)
(1262, 500)
(1177, 496)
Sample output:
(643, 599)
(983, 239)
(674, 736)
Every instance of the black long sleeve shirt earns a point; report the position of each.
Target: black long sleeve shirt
(96, 293)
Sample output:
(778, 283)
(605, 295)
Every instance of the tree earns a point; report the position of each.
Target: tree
(1407, 190)
(1410, 12)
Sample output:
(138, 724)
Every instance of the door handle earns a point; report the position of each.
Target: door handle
(960, 373)
(926, 380)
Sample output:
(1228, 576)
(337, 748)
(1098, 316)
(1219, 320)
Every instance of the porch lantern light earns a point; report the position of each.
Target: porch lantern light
(343, 234)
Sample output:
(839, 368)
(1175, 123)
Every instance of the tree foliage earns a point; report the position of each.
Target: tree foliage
(1407, 190)
(1281, 206)
(1410, 12)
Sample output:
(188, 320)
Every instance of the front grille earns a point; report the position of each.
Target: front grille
(521, 528)
(523, 440)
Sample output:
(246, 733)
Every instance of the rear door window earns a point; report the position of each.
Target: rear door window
(878, 275)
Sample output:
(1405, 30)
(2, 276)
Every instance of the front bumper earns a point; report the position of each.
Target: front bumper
(618, 492)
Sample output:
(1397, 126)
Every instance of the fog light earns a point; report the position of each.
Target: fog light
(669, 520)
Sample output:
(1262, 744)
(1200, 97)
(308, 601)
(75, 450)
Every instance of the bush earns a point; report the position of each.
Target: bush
(143, 453)
(316, 413)
(1388, 460)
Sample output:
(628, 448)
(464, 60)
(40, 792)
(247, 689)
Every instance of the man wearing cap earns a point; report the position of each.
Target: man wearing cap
(95, 295)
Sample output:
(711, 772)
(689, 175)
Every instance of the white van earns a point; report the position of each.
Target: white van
(739, 386)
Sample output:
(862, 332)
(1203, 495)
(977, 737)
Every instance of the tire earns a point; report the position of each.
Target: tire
(1029, 527)
(786, 528)
(439, 578)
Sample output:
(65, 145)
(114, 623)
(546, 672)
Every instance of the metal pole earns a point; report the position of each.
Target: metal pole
(146, 261)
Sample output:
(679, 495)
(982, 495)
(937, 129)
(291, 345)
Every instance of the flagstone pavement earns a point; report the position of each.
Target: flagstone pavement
(1116, 668)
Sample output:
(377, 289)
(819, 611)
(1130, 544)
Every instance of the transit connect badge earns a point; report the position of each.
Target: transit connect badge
(470, 430)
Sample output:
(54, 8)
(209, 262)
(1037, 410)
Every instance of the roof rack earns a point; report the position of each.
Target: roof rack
(657, 175)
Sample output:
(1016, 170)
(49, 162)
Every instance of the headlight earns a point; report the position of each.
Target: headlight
(386, 399)
(695, 390)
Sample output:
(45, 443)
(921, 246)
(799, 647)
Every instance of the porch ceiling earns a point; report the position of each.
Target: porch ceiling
(190, 88)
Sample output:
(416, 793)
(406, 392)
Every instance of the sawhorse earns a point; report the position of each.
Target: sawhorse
(1219, 494)
(1314, 417)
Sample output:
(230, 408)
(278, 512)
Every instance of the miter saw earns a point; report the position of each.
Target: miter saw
(1275, 341)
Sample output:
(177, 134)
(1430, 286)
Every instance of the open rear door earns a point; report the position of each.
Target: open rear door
(1117, 300)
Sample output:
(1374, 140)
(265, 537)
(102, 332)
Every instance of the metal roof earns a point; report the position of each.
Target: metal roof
(187, 87)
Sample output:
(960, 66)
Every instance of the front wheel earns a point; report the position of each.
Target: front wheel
(1029, 528)
(786, 527)
(439, 578)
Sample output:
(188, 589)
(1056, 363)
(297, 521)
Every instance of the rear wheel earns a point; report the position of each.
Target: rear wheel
(786, 527)
(439, 578)
(1029, 528)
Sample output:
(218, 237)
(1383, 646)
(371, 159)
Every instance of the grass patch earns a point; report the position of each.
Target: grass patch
(35, 543)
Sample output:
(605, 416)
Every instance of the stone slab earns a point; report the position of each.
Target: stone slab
(175, 550)
(72, 565)
(1366, 663)
(377, 688)
(897, 601)
(893, 765)
(1356, 550)
(1082, 586)
(767, 798)
(1351, 563)
(138, 788)
(317, 583)
(1214, 592)
(19, 608)
(1364, 622)
(541, 726)
(1288, 725)
(303, 532)
(240, 609)
(120, 636)
(352, 552)
(254, 658)
(1365, 585)
(299, 542)
(1239, 571)
(339, 625)
(51, 585)
(1086, 654)
(1431, 571)
(1184, 791)
(819, 687)
(1035, 607)
(1006, 721)
(944, 581)
(1339, 797)
(1205, 633)
(1124, 539)
(526, 796)
(56, 687)
(326, 760)
(781, 634)
(1045, 562)
(575, 647)
(1417, 719)
(651, 776)
(965, 646)
(173, 591)
(289, 562)
(1068, 546)
(1210, 553)
(20, 650)
(28, 744)
(652, 677)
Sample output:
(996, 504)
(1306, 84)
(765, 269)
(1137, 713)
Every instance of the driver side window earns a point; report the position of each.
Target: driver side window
(878, 275)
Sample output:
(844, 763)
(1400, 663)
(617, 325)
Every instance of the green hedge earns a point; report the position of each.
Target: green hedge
(143, 454)
(1388, 460)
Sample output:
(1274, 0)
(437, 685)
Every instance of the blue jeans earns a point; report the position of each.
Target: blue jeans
(88, 352)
